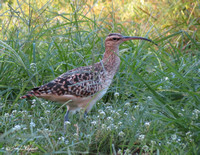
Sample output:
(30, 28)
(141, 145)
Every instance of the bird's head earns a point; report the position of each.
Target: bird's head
(115, 39)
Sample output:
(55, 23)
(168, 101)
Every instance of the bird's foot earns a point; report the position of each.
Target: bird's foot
(66, 123)
(66, 120)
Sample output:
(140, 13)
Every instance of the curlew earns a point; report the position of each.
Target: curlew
(82, 87)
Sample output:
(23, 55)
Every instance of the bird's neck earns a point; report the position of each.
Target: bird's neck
(111, 60)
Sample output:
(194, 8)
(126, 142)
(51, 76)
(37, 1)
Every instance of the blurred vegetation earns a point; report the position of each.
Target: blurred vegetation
(165, 16)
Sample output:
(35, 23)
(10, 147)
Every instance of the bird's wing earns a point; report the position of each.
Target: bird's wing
(81, 82)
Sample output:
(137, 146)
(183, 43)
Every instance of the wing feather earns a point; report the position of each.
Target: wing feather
(82, 82)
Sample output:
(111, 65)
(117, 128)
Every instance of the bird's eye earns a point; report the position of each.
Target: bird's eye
(115, 38)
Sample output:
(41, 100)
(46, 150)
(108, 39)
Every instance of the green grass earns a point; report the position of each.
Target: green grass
(152, 106)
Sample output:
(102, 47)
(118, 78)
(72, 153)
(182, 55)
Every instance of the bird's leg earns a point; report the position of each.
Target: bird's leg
(85, 114)
(66, 118)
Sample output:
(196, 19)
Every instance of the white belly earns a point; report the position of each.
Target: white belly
(86, 103)
(95, 98)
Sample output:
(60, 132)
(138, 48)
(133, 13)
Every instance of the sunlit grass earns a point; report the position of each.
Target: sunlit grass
(152, 105)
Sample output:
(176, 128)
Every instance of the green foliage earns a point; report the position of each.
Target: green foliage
(152, 105)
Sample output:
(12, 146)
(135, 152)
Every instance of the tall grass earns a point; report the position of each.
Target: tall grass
(152, 105)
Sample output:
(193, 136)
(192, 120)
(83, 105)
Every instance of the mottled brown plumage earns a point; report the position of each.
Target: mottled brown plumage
(81, 82)
(83, 86)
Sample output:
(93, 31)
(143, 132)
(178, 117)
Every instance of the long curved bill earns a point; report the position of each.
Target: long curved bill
(125, 38)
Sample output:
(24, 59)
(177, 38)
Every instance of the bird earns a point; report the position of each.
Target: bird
(82, 87)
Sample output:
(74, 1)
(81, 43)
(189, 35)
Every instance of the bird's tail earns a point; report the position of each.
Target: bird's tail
(33, 92)
(29, 95)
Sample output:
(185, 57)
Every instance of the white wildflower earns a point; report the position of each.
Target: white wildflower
(119, 123)
(47, 111)
(66, 142)
(14, 112)
(127, 152)
(127, 104)
(33, 101)
(109, 127)
(121, 134)
(174, 137)
(154, 111)
(196, 113)
(17, 127)
(32, 106)
(43, 103)
(117, 114)
(6, 114)
(61, 138)
(166, 78)
(120, 152)
(112, 111)
(153, 142)
(180, 114)
(178, 140)
(145, 148)
(173, 75)
(67, 122)
(24, 112)
(119, 110)
(32, 124)
(141, 137)
(115, 126)
(101, 112)
(108, 103)
(16, 149)
(109, 107)
(147, 124)
(103, 126)
(189, 134)
(149, 97)
(109, 118)
(136, 106)
(94, 122)
(116, 94)
(169, 143)
(126, 113)
(41, 118)
(33, 66)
